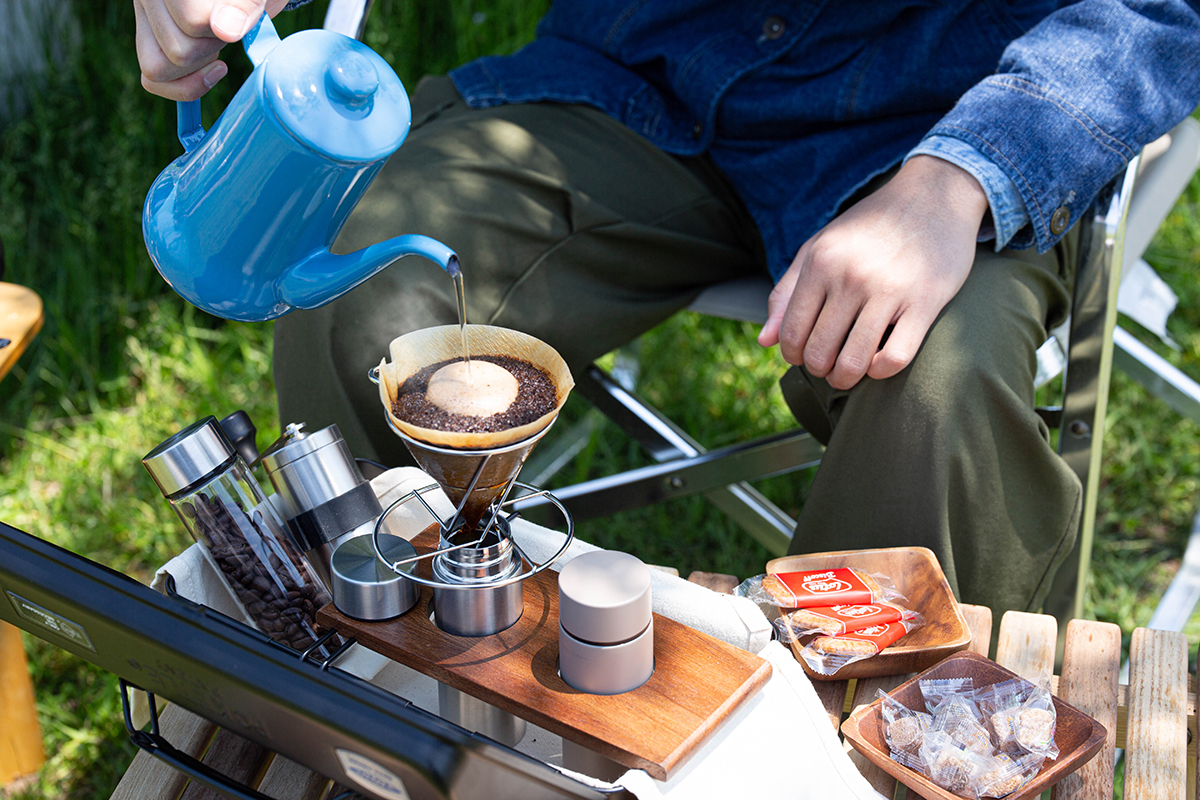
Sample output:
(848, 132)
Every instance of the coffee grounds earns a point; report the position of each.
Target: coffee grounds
(536, 397)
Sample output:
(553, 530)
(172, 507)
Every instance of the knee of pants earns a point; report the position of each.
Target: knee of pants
(977, 363)
(955, 395)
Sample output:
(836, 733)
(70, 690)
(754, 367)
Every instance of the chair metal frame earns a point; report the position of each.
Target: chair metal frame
(1086, 378)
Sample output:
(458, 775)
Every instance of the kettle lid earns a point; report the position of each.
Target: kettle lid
(336, 96)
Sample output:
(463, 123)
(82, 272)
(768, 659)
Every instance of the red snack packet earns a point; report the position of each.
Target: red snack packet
(825, 655)
(828, 587)
(837, 620)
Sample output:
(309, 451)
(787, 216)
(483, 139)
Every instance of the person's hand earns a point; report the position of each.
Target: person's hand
(178, 41)
(884, 269)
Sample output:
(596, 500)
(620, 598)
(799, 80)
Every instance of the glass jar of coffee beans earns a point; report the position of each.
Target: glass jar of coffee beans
(214, 493)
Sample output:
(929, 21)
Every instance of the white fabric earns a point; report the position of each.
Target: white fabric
(780, 742)
(1147, 299)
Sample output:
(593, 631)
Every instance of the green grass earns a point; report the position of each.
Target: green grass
(122, 362)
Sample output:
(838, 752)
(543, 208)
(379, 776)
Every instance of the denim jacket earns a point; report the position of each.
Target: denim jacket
(802, 103)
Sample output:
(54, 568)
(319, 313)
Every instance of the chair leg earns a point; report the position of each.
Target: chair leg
(21, 750)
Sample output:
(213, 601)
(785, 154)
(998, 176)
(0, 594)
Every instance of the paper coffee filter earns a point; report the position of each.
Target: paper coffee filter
(414, 351)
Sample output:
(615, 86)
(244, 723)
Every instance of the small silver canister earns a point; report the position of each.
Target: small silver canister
(366, 588)
(321, 492)
(480, 592)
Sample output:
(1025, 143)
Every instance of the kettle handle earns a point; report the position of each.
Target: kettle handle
(260, 41)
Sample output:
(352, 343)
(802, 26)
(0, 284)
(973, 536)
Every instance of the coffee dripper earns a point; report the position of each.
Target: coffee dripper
(478, 569)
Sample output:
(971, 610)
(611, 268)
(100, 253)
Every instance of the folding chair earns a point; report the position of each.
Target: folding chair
(683, 467)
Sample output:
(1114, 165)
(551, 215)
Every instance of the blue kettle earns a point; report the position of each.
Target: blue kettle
(240, 225)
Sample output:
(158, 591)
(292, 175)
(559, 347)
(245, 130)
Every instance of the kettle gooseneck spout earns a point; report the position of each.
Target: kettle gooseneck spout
(306, 284)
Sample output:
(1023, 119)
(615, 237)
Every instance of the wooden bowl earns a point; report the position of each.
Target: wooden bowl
(918, 576)
(1078, 736)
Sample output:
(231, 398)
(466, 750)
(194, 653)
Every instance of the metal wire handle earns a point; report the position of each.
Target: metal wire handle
(534, 567)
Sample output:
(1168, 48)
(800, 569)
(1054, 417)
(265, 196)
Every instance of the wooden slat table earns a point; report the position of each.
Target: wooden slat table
(1153, 718)
(272, 774)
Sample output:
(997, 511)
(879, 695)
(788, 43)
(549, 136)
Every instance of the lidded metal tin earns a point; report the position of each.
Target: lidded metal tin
(364, 587)
(480, 592)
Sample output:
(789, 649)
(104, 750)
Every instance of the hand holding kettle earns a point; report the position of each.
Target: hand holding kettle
(178, 41)
(240, 225)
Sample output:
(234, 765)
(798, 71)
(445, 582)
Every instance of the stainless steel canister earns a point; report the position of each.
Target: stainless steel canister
(478, 598)
(364, 587)
(322, 494)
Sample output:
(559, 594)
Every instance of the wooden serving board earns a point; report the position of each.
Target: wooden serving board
(698, 681)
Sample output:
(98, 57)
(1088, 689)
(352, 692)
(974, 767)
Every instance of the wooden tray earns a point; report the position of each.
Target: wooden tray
(1078, 736)
(698, 681)
(918, 576)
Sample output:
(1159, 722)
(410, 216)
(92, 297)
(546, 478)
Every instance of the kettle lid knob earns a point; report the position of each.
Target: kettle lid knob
(335, 96)
(352, 78)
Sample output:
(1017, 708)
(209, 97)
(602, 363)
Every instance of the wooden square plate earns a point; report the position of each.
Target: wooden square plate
(918, 576)
(1078, 736)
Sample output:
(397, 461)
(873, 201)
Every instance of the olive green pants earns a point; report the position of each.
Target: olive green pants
(576, 230)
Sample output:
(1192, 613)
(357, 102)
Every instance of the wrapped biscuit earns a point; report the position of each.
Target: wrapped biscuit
(1000, 705)
(904, 730)
(936, 692)
(1021, 717)
(825, 655)
(959, 719)
(819, 588)
(951, 767)
(1036, 725)
(1003, 694)
(1005, 774)
(836, 620)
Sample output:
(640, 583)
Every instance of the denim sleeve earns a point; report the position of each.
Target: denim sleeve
(1075, 98)
(1009, 214)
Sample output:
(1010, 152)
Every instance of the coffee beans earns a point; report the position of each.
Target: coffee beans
(270, 579)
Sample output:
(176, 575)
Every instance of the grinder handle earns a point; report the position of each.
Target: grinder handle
(242, 434)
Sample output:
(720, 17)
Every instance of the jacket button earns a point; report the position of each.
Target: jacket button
(774, 27)
(697, 130)
(1059, 220)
